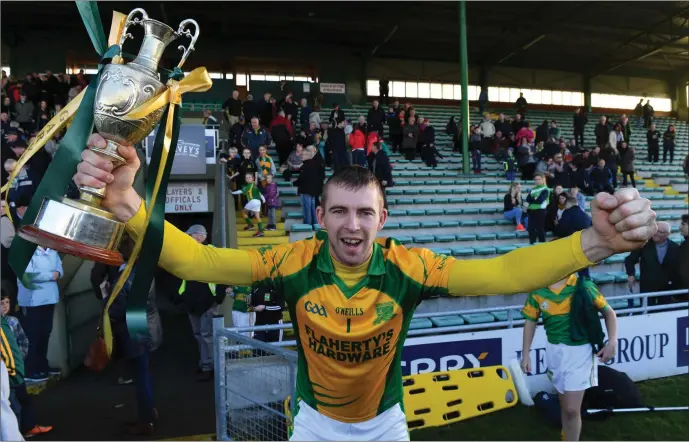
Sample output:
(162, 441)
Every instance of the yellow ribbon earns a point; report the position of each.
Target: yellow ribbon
(198, 80)
(61, 119)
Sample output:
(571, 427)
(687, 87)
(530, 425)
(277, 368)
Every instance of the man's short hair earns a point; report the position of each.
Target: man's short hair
(685, 219)
(352, 177)
(571, 200)
(542, 175)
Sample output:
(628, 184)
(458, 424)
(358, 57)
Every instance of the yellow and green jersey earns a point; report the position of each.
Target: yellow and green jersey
(241, 298)
(555, 306)
(251, 192)
(266, 166)
(11, 353)
(350, 339)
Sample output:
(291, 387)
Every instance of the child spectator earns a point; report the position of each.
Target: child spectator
(513, 203)
(246, 167)
(267, 304)
(310, 184)
(537, 201)
(357, 141)
(252, 209)
(510, 165)
(265, 165)
(241, 316)
(14, 346)
(271, 193)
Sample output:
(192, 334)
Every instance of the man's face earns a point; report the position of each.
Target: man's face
(574, 191)
(684, 229)
(4, 306)
(362, 120)
(558, 159)
(198, 237)
(502, 117)
(396, 104)
(553, 124)
(249, 177)
(19, 151)
(235, 94)
(254, 123)
(22, 98)
(11, 138)
(247, 154)
(3, 116)
(352, 219)
(233, 153)
(603, 120)
(375, 104)
(653, 126)
(538, 180)
(601, 164)
(662, 234)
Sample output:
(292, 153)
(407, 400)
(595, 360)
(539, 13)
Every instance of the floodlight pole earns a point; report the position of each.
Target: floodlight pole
(464, 69)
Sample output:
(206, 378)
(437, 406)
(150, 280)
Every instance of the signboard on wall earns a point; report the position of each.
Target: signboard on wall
(190, 157)
(186, 197)
(649, 347)
(332, 88)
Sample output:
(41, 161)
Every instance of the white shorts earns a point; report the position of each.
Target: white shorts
(241, 319)
(253, 206)
(310, 425)
(571, 367)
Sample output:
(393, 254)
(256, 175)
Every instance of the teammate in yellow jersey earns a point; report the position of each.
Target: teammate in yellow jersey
(351, 296)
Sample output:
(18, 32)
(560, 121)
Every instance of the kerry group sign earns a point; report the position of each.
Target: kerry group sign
(190, 154)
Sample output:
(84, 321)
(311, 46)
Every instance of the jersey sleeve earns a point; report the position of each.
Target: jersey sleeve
(270, 264)
(507, 274)
(597, 298)
(531, 310)
(436, 273)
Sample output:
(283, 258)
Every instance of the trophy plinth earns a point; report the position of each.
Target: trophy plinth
(81, 227)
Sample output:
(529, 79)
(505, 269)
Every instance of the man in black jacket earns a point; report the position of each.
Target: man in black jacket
(653, 140)
(601, 178)
(602, 130)
(250, 108)
(291, 109)
(379, 164)
(658, 259)
(336, 115)
(232, 108)
(580, 121)
(265, 110)
(375, 118)
(338, 146)
(283, 139)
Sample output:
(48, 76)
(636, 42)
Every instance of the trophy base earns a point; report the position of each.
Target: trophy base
(76, 228)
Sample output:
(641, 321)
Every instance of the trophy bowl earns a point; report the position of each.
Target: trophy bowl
(82, 227)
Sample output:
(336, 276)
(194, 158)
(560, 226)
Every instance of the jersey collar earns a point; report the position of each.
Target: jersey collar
(325, 261)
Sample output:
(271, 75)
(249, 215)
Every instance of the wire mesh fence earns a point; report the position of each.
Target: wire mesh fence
(253, 381)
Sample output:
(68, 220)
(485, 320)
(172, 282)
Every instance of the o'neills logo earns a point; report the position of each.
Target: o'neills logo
(349, 311)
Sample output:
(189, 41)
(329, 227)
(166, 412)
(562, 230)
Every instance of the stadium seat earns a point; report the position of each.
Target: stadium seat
(423, 239)
(466, 237)
(505, 249)
(485, 236)
(301, 228)
(602, 278)
(435, 212)
(420, 323)
(449, 223)
(478, 318)
(418, 212)
(403, 239)
(484, 250)
(447, 321)
(441, 251)
(445, 238)
(502, 315)
(453, 211)
(410, 225)
(459, 251)
(430, 224)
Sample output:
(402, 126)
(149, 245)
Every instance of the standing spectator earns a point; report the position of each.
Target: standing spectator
(526, 158)
(73, 92)
(379, 164)
(639, 113)
(656, 264)
(375, 118)
(267, 304)
(555, 207)
(615, 137)
(305, 114)
(626, 128)
(241, 309)
(252, 209)
(513, 206)
(357, 141)
(669, 143)
(265, 110)
(310, 184)
(38, 304)
(427, 140)
(475, 148)
(201, 302)
(291, 109)
(264, 165)
(482, 100)
(281, 132)
(25, 113)
(524, 133)
(255, 136)
(410, 137)
(648, 114)
(521, 104)
(453, 130)
(271, 192)
(42, 116)
(209, 120)
(250, 108)
(542, 132)
(487, 126)
(232, 108)
(653, 140)
(503, 126)
(337, 144)
(537, 201)
(336, 115)
(602, 132)
(384, 89)
(395, 123)
(236, 132)
(510, 165)
(601, 178)
(580, 122)
(627, 156)
(612, 159)
(517, 124)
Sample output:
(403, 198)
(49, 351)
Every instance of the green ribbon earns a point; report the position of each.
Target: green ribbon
(147, 263)
(62, 168)
(91, 18)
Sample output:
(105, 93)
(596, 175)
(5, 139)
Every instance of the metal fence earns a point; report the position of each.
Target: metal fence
(252, 383)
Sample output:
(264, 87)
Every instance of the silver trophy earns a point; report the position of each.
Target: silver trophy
(82, 227)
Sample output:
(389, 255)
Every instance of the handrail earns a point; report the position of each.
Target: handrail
(224, 215)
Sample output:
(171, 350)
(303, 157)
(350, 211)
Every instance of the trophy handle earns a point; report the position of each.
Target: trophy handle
(183, 32)
(132, 21)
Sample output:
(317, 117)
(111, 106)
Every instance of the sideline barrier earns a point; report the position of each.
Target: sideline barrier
(253, 379)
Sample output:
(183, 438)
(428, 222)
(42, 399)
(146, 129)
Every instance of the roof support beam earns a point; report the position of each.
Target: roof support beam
(392, 32)
(523, 48)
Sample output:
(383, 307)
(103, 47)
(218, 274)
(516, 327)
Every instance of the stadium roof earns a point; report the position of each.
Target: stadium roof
(630, 38)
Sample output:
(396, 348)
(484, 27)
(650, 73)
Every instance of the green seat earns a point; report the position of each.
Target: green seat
(489, 210)
(447, 321)
(430, 224)
(293, 215)
(503, 222)
(404, 201)
(410, 191)
(410, 225)
(289, 192)
(455, 200)
(317, 227)
(416, 212)
(616, 259)
(664, 217)
(440, 200)
(404, 239)
(394, 191)
(301, 228)
(522, 235)
(505, 249)
(441, 251)
(478, 318)
(427, 191)
(449, 223)
(602, 278)
(435, 212)
(445, 238)
(420, 323)
(446, 182)
(397, 212)
(502, 315)
(619, 276)
(460, 191)
(466, 237)
(422, 201)
(473, 200)
(490, 199)
(679, 206)
(453, 211)
(506, 235)
(468, 223)
(291, 203)
(444, 191)
(486, 222)
(432, 182)
(424, 239)
(470, 211)
(391, 225)
(462, 251)
(484, 250)
(486, 237)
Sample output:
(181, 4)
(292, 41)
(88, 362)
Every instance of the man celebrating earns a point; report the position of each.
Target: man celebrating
(351, 296)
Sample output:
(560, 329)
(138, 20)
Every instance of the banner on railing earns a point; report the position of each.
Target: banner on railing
(649, 346)
(332, 88)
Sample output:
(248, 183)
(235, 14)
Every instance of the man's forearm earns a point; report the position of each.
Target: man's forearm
(594, 247)
(128, 205)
